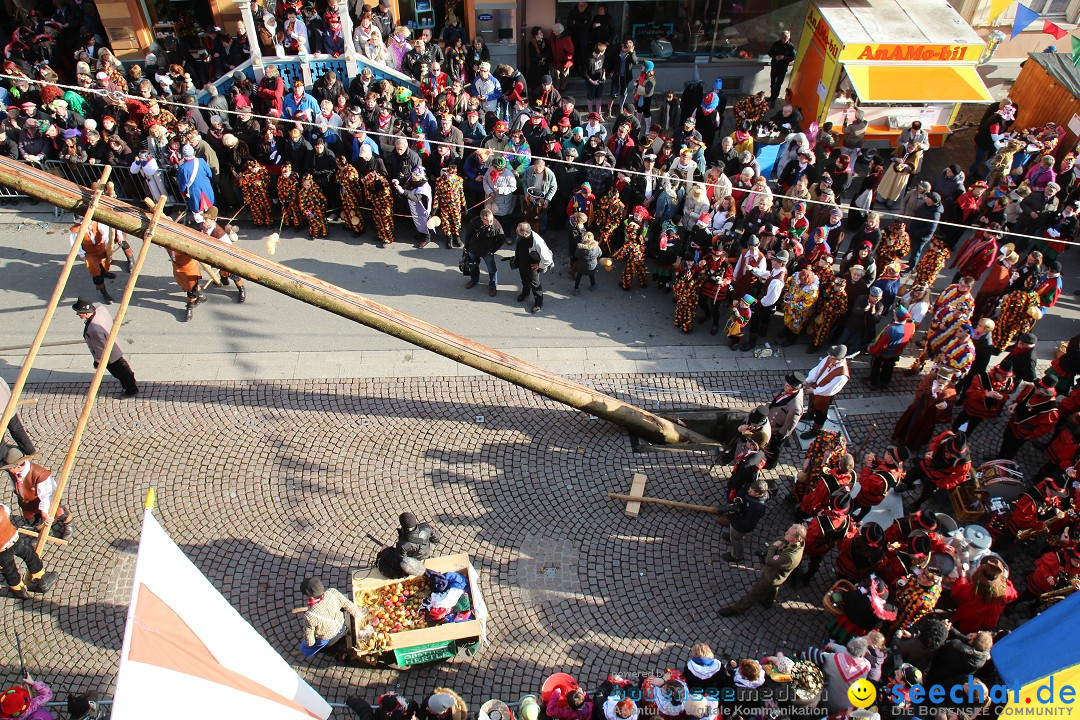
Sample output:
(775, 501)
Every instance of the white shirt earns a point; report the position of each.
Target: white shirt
(832, 388)
(773, 289)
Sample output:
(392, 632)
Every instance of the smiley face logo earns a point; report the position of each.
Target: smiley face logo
(862, 693)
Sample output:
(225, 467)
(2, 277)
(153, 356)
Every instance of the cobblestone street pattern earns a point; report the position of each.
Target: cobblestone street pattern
(262, 483)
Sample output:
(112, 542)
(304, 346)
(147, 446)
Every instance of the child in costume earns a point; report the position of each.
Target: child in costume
(288, 191)
(348, 179)
(740, 318)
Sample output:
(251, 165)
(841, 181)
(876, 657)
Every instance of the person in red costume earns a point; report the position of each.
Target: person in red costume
(825, 530)
(827, 484)
(986, 396)
(1035, 510)
(878, 476)
(1032, 415)
(946, 464)
(982, 598)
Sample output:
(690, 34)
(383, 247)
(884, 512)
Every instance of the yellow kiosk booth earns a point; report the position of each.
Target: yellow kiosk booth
(896, 61)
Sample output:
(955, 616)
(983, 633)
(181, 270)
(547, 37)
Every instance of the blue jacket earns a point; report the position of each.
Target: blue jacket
(290, 106)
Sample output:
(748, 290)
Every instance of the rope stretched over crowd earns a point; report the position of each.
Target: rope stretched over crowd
(626, 171)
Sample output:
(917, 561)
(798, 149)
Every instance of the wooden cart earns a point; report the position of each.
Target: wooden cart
(441, 642)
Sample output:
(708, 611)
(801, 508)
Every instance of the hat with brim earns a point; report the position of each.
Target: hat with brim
(795, 379)
(495, 710)
(13, 458)
(838, 351)
(440, 703)
(83, 305)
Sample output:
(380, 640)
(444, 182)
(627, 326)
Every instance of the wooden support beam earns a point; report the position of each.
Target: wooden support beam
(637, 489)
(49, 538)
(54, 299)
(99, 374)
(668, 503)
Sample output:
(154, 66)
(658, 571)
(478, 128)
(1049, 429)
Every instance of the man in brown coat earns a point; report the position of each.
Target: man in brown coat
(785, 410)
(781, 559)
(96, 332)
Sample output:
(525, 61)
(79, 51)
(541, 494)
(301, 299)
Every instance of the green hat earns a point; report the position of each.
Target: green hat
(499, 163)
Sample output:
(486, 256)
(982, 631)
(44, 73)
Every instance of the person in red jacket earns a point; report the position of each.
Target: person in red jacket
(931, 406)
(946, 464)
(1032, 415)
(1064, 446)
(824, 531)
(982, 598)
(1055, 570)
(1034, 510)
(920, 521)
(977, 255)
(827, 485)
(877, 477)
(860, 555)
(271, 92)
(986, 396)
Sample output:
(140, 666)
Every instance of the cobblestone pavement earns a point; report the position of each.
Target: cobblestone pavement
(262, 483)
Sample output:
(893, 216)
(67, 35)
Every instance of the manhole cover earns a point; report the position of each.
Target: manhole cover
(551, 571)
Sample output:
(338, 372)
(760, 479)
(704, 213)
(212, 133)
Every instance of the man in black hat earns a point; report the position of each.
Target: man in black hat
(1032, 415)
(756, 427)
(98, 325)
(415, 538)
(824, 383)
(878, 476)
(785, 410)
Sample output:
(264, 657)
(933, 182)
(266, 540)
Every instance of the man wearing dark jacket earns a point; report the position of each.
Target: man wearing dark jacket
(949, 184)
(960, 656)
(483, 238)
(923, 229)
(744, 515)
(780, 560)
(416, 538)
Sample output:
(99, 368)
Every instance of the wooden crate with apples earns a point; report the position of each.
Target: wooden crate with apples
(404, 634)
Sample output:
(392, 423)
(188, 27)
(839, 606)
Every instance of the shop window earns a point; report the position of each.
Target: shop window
(682, 30)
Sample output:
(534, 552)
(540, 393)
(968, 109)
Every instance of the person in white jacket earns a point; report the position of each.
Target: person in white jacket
(144, 164)
(532, 256)
(824, 383)
(500, 185)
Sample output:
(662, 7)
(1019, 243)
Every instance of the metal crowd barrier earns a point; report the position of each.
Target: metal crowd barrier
(130, 187)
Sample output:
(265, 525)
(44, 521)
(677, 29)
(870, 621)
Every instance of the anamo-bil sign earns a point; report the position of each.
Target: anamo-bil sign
(912, 53)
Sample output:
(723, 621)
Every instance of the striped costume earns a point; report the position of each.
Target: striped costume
(634, 252)
(377, 190)
(831, 308)
(348, 179)
(255, 186)
(827, 448)
(931, 263)
(450, 203)
(287, 189)
(313, 206)
(1019, 310)
(956, 354)
(686, 296)
(607, 214)
(913, 603)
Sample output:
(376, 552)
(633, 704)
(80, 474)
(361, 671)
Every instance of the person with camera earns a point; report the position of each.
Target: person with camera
(742, 515)
(780, 560)
(483, 237)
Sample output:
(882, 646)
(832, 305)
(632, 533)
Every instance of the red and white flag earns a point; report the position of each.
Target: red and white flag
(187, 652)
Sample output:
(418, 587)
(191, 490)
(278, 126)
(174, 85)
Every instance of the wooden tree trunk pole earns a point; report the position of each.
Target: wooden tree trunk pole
(307, 288)
(99, 373)
(669, 503)
(54, 302)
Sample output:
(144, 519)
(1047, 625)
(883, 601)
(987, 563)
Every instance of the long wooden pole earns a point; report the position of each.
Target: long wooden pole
(99, 374)
(668, 503)
(309, 289)
(54, 301)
